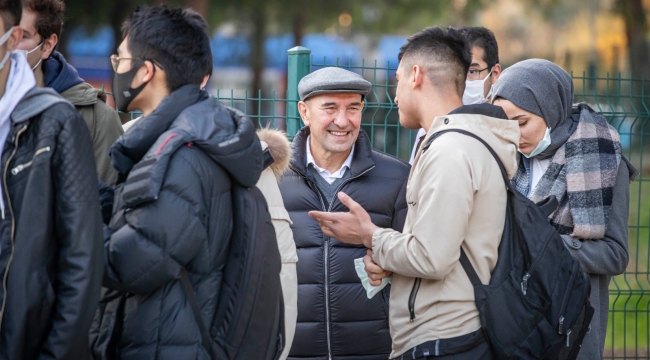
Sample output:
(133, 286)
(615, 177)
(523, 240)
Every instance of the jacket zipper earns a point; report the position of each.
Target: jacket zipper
(13, 224)
(528, 275)
(326, 254)
(21, 167)
(414, 293)
(565, 300)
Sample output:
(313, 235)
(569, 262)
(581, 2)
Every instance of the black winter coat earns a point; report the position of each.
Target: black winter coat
(175, 211)
(50, 232)
(335, 317)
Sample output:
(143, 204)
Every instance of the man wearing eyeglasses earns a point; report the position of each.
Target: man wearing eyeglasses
(484, 71)
(42, 23)
(177, 167)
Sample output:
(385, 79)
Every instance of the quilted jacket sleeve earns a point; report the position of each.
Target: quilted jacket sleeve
(161, 236)
(79, 236)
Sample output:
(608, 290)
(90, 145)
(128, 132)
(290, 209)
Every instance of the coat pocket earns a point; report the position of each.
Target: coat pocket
(19, 168)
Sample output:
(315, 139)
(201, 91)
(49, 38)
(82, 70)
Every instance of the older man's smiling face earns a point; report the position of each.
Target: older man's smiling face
(334, 121)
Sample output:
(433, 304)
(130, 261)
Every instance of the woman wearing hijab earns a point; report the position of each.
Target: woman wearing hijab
(571, 152)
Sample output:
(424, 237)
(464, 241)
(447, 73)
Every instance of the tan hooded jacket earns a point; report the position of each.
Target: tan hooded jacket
(456, 197)
(268, 184)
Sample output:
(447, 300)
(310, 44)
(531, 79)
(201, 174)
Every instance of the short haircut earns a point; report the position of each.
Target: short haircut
(484, 38)
(199, 21)
(10, 11)
(49, 16)
(442, 53)
(173, 39)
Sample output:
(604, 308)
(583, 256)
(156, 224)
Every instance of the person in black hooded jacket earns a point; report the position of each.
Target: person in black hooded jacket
(173, 208)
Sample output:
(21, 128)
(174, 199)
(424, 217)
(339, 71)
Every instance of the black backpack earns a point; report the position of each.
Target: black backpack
(536, 305)
(249, 321)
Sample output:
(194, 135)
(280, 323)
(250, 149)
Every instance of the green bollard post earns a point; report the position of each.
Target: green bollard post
(299, 65)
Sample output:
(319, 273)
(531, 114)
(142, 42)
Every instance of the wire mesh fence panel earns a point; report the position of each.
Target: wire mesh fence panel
(623, 101)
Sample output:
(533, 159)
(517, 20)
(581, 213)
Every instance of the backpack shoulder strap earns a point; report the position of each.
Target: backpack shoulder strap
(504, 174)
(464, 260)
(191, 298)
(469, 269)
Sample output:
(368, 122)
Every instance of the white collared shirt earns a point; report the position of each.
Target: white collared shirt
(324, 173)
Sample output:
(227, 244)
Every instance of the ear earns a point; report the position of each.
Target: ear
(49, 45)
(417, 76)
(14, 38)
(496, 72)
(150, 71)
(303, 109)
(205, 81)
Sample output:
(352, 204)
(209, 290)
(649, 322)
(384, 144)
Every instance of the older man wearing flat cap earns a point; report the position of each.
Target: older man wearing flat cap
(332, 154)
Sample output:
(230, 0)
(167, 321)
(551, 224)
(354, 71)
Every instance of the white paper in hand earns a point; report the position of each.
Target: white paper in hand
(363, 276)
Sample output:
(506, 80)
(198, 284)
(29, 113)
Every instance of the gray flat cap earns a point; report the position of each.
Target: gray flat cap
(332, 80)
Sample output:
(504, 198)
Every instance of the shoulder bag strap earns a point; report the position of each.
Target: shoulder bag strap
(191, 298)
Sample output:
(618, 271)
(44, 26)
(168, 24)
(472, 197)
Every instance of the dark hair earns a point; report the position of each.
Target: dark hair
(484, 38)
(199, 21)
(173, 39)
(443, 52)
(49, 16)
(10, 11)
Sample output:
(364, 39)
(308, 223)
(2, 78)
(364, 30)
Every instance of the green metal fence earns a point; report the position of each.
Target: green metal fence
(623, 101)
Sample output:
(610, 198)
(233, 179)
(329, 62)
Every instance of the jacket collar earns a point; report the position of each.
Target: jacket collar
(133, 145)
(490, 123)
(35, 102)
(58, 74)
(361, 159)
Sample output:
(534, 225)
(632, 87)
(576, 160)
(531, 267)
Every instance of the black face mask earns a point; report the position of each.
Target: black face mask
(122, 90)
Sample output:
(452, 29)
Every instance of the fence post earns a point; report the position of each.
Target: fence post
(299, 65)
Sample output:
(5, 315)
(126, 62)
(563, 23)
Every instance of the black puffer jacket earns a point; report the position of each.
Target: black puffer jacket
(175, 211)
(336, 320)
(50, 231)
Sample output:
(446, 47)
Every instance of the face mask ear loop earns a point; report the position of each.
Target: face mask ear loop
(3, 39)
(38, 63)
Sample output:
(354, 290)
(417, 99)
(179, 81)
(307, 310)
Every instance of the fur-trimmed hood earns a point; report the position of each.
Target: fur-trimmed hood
(279, 147)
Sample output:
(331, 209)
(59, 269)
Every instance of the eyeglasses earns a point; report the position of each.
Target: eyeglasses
(475, 74)
(115, 61)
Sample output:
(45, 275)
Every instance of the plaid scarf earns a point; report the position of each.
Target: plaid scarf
(581, 175)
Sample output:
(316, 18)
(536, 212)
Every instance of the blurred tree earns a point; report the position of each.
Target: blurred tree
(409, 16)
(636, 30)
(94, 14)
(561, 12)
(260, 18)
(200, 6)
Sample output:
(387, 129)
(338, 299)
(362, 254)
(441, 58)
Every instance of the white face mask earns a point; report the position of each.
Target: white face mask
(474, 90)
(3, 40)
(26, 53)
(542, 145)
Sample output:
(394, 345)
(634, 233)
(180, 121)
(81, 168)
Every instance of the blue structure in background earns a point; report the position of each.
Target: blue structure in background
(327, 50)
(89, 52)
(388, 49)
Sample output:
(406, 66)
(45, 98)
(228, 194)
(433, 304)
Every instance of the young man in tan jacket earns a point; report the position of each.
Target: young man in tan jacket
(456, 198)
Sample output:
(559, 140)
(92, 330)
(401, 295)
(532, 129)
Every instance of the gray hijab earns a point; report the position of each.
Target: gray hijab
(544, 89)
